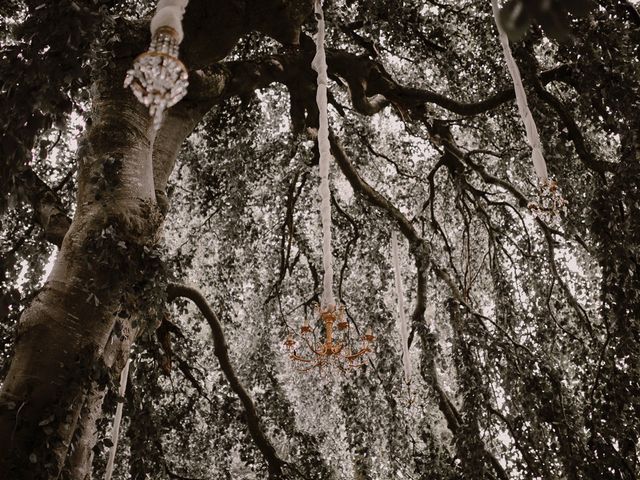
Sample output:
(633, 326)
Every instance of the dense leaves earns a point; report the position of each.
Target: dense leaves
(525, 337)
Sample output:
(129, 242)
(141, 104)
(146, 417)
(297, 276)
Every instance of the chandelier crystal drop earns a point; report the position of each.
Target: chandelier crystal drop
(158, 78)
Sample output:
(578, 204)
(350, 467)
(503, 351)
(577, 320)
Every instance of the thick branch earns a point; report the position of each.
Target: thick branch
(367, 79)
(582, 148)
(361, 187)
(428, 370)
(275, 463)
(375, 198)
(49, 211)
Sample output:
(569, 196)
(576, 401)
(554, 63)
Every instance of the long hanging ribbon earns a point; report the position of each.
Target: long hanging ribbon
(404, 337)
(319, 64)
(116, 422)
(169, 13)
(521, 99)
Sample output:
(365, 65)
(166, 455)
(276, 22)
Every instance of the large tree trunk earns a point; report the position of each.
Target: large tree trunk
(75, 336)
(62, 336)
(78, 464)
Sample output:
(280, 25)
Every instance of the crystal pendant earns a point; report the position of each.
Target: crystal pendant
(158, 78)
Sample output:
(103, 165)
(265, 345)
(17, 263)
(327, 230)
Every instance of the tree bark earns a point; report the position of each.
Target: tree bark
(63, 334)
(58, 372)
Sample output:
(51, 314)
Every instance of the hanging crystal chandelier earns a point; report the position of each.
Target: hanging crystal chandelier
(337, 349)
(158, 78)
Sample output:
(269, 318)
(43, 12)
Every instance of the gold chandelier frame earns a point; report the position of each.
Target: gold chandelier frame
(337, 349)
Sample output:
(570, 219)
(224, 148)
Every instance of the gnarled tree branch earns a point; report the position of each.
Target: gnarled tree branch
(275, 463)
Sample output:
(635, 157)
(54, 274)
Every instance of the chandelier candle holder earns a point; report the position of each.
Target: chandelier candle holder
(337, 349)
(158, 78)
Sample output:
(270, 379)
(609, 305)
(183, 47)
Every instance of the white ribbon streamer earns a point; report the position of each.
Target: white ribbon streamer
(533, 138)
(404, 336)
(319, 64)
(169, 13)
(116, 422)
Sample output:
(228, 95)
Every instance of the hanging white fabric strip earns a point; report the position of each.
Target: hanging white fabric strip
(521, 99)
(404, 336)
(116, 422)
(319, 64)
(169, 13)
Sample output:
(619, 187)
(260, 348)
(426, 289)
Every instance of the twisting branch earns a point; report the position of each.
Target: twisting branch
(275, 463)
(350, 243)
(363, 188)
(287, 229)
(428, 365)
(420, 250)
(372, 88)
(305, 250)
(582, 147)
(417, 244)
(573, 302)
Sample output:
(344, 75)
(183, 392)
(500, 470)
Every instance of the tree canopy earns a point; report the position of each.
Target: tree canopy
(196, 251)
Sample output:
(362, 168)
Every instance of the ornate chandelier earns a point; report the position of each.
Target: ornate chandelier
(158, 78)
(550, 202)
(337, 349)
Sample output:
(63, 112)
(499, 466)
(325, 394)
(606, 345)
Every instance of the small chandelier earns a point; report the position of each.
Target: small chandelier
(336, 350)
(550, 202)
(158, 78)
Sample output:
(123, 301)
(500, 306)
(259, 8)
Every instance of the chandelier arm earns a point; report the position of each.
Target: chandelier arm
(300, 358)
(307, 369)
(311, 347)
(359, 353)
